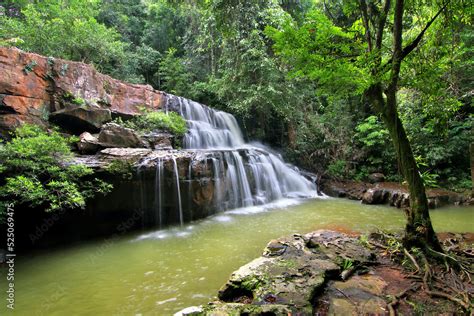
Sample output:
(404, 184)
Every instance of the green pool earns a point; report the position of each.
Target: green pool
(161, 272)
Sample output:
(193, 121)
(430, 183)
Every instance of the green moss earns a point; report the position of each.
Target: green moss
(290, 264)
(74, 99)
(251, 283)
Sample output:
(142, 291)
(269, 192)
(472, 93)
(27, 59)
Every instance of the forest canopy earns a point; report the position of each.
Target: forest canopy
(256, 59)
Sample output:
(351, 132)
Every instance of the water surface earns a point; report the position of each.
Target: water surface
(161, 272)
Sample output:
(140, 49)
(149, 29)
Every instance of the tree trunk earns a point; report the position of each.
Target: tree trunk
(419, 230)
(471, 147)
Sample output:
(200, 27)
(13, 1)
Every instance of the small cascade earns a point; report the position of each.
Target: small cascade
(180, 207)
(159, 192)
(216, 169)
(253, 174)
(208, 128)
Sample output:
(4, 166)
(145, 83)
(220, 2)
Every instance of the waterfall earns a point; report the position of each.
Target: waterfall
(220, 169)
(180, 208)
(254, 175)
(208, 128)
(159, 192)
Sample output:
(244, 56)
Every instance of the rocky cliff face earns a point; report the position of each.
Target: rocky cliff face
(37, 89)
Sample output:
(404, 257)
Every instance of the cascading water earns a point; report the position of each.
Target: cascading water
(180, 207)
(218, 169)
(252, 174)
(159, 192)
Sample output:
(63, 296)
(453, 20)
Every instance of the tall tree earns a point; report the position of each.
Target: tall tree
(365, 56)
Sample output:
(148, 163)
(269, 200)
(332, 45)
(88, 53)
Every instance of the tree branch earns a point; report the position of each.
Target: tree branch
(381, 26)
(408, 49)
(365, 19)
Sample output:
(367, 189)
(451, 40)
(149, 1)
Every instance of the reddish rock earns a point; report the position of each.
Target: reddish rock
(77, 119)
(31, 85)
(23, 105)
(15, 80)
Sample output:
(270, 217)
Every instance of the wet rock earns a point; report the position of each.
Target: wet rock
(288, 273)
(390, 193)
(375, 196)
(203, 192)
(114, 135)
(124, 153)
(77, 119)
(88, 144)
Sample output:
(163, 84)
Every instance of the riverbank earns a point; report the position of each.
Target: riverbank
(391, 193)
(329, 272)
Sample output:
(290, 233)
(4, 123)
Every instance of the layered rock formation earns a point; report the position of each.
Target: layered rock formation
(76, 96)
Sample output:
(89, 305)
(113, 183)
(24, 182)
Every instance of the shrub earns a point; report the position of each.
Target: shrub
(36, 171)
(373, 140)
(121, 167)
(337, 169)
(150, 121)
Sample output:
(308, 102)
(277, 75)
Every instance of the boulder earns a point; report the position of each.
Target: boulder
(88, 144)
(84, 118)
(159, 140)
(293, 269)
(217, 308)
(376, 177)
(114, 135)
(375, 196)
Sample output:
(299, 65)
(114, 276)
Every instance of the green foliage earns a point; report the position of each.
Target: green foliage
(364, 241)
(78, 101)
(156, 120)
(69, 31)
(429, 179)
(174, 75)
(347, 264)
(374, 143)
(36, 171)
(337, 169)
(121, 167)
(371, 133)
(294, 72)
(324, 52)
